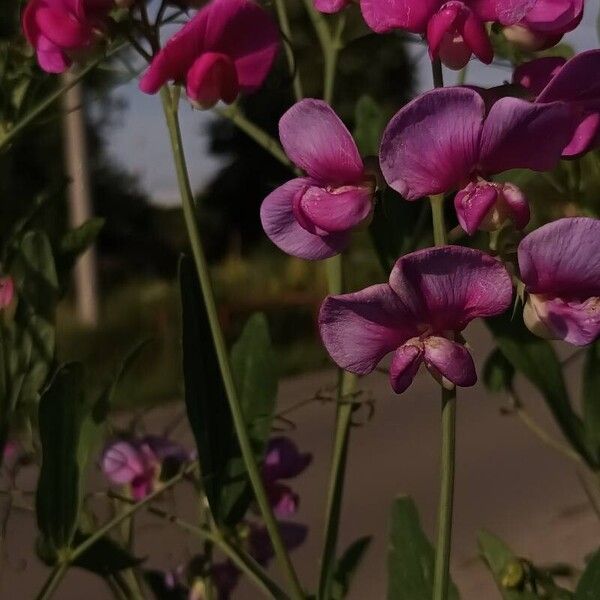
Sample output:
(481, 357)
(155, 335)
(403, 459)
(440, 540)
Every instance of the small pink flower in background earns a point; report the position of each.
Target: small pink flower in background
(7, 292)
(560, 267)
(444, 140)
(138, 463)
(432, 295)
(552, 79)
(312, 217)
(61, 30)
(283, 461)
(226, 49)
(331, 6)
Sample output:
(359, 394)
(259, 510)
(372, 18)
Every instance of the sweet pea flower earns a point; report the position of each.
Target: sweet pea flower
(560, 267)
(432, 295)
(553, 79)
(7, 292)
(544, 23)
(283, 461)
(454, 29)
(311, 217)
(331, 6)
(62, 30)
(138, 462)
(226, 49)
(444, 140)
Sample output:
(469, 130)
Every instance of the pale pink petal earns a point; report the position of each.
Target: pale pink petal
(410, 15)
(431, 145)
(517, 204)
(575, 322)
(513, 130)
(535, 75)
(122, 462)
(211, 78)
(331, 6)
(450, 359)
(338, 210)
(473, 203)
(359, 329)
(405, 365)
(448, 287)
(280, 224)
(562, 258)
(317, 141)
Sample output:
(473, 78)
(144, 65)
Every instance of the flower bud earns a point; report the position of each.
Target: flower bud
(528, 40)
(533, 316)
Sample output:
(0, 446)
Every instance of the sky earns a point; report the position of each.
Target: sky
(140, 144)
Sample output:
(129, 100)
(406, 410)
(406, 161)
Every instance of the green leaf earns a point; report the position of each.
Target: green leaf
(498, 372)
(104, 556)
(58, 497)
(205, 397)
(591, 399)
(398, 227)
(411, 556)
(589, 584)
(369, 123)
(536, 359)
(347, 566)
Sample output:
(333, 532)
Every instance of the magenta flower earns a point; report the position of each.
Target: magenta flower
(311, 217)
(560, 267)
(444, 140)
(331, 6)
(226, 49)
(7, 292)
(552, 79)
(283, 461)
(61, 30)
(138, 463)
(432, 295)
(454, 29)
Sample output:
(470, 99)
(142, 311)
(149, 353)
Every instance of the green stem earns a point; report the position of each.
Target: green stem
(260, 136)
(439, 221)
(47, 102)
(55, 579)
(441, 578)
(346, 385)
(171, 115)
(284, 23)
(438, 74)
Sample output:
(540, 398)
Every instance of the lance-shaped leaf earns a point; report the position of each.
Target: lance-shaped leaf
(588, 587)
(498, 372)
(347, 566)
(536, 359)
(591, 399)
(58, 496)
(411, 556)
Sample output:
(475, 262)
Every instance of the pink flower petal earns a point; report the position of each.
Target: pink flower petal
(7, 291)
(513, 130)
(473, 203)
(431, 145)
(405, 365)
(211, 78)
(280, 224)
(50, 57)
(283, 460)
(517, 204)
(442, 22)
(447, 287)
(585, 136)
(338, 210)
(316, 140)
(506, 12)
(359, 329)
(62, 28)
(410, 15)
(477, 38)
(555, 16)
(283, 500)
(122, 462)
(535, 75)
(330, 6)
(450, 359)
(562, 258)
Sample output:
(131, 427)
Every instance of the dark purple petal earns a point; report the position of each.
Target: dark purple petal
(448, 287)
(535, 75)
(280, 224)
(562, 258)
(359, 329)
(283, 460)
(450, 359)
(405, 365)
(513, 130)
(586, 134)
(317, 141)
(432, 144)
(283, 500)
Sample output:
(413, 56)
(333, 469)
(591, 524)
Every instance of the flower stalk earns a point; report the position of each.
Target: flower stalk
(171, 115)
